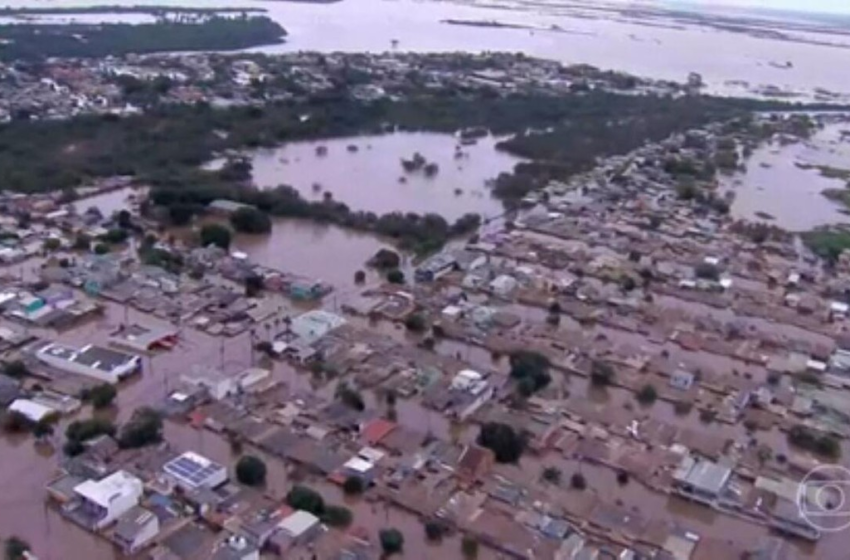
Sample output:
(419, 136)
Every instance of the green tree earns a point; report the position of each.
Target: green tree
(353, 486)
(469, 548)
(435, 530)
(15, 548)
(416, 322)
(395, 276)
(647, 394)
(143, 428)
(52, 244)
(101, 396)
(82, 242)
(578, 481)
(359, 277)
(215, 234)
(552, 475)
(307, 499)
(392, 541)
(250, 220)
(531, 370)
(505, 443)
(337, 516)
(101, 249)
(84, 430)
(601, 373)
(350, 396)
(251, 471)
(16, 369)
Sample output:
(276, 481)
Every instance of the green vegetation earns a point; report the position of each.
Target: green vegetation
(385, 259)
(622, 478)
(602, 373)
(392, 541)
(505, 443)
(77, 40)
(530, 370)
(251, 471)
(350, 397)
(810, 440)
(52, 244)
(250, 220)
(395, 277)
(416, 322)
(100, 396)
(143, 428)
(827, 243)
(81, 431)
(16, 423)
(353, 486)
(552, 475)
(15, 548)
(16, 369)
(307, 499)
(647, 394)
(435, 530)
(578, 481)
(469, 548)
(215, 234)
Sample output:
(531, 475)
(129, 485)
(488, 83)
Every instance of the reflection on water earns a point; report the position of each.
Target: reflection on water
(774, 184)
(371, 178)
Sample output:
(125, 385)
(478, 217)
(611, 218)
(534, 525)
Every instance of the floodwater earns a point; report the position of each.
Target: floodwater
(107, 202)
(319, 251)
(655, 47)
(776, 185)
(372, 178)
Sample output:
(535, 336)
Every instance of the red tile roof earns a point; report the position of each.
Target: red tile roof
(376, 430)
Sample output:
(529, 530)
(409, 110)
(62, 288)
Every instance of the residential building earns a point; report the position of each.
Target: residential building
(236, 548)
(92, 361)
(135, 529)
(101, 502)
(474, 463)
(216, 382)
(700, 479)
(31, 410)
(435, 267)
(301, 527)
(191, 471)
(313, 325)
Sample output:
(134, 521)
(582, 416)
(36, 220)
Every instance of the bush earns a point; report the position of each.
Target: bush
(337, 516)
(82, 242)
(392, 541)
(15, 548)
(250, 220)
(115, 236)
(73, 448)
(353, 486)
(395, 277)
(531, 370)
(622, 478)
(251, 471)
(52, 244)
(16, 369)
(16, 423)
(307, 499)
(350, 397)
(682, 407)
(101, 396)
(808, 439)
(434, 530)
(415, 322)
(552, 475)
(359, 277)
(143, 428)
(469, 548)
(601, 373)
(215, 234)
(101, 249)
(385, 259)
(84, 430)
(647, 394)
(502, 440)
(578, 482)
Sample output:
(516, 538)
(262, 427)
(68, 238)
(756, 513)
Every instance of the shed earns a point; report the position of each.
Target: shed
(33, 411)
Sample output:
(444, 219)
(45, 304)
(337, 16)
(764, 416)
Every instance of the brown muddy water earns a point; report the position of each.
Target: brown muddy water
(773, 183)
(365, 172)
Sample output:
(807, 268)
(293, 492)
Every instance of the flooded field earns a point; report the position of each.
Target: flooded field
(366, 173)
(779, 187)
(108, 202)
(742, 61)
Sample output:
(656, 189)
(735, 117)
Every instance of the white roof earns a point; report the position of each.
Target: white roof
(839, 307)
(298, 523)
(358, 465)
(371, 454)
(102, 492)
(31, 409)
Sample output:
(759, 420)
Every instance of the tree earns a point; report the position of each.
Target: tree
(469, 547)
(359, 277)
(215, 234)
(578, 482)
(101, 396)
(15, 423)
(16, 369)
(82, 242)
(707, 271)
(43, 428)
(502, 440)
(307, 499)
(385, 259)
(435, 529)
(143, 428)
(84, 430)
(353, 486)
(392, 541)
(647, 394)
(52, 244)
(601, 373)
(337, 516)
(531, 371)
(15, 548)
(125, 219)
(622, 478)
(115, 236)
(415, 322)
(101, 249)
(254, 284)
(350, 397)
(552, 475)
(395, 276)
(251, 471)
(250, 220)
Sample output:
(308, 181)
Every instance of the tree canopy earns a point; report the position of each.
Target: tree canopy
(215, 234)
(503, 441)
(251, 471)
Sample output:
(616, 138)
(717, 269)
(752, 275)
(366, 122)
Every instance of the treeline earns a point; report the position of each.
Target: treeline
(75, 40)
(115, 9)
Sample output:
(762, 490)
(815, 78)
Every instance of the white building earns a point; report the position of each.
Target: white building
(135, 529)
(33, 411)
(300, 526)
(92, 361)
(218, 383)
(102, 502)
(191, 471)
(313, 325)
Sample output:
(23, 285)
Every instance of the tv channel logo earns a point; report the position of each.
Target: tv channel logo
(823, 498)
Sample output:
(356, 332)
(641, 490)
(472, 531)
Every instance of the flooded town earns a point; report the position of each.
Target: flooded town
(362, 303)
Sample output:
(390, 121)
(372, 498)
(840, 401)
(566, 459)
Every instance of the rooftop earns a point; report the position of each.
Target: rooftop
(103, 492)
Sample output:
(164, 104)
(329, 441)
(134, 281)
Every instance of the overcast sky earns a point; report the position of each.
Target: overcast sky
(830, 6)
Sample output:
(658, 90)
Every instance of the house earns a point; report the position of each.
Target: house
(91, 361)
(100, 503)
(216, 382)
(301, 527)
(313, 325)
(700, 479)
(682, 380)
(31, 410)
(225, 207)
(235, 548)
(191, 471)
(474, 463)
(135, 529)
(143, 339)
(435, 267)
(503, 285)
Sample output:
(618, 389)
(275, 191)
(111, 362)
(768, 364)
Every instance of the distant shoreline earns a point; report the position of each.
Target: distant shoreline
(113, 9)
